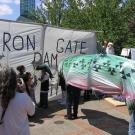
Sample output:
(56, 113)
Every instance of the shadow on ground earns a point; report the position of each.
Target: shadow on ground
(54, 107)
(106, 122)
(42, 113)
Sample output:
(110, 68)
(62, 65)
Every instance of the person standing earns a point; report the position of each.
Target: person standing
(73, 97)
(15, 104)
(44, 89)
(132, 123)
(109, 48)
(30, 85)
(87, 94)
(128, 90)
(105, 43)
(104, 46)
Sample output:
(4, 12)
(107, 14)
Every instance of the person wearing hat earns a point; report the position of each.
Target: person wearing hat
(109, 48)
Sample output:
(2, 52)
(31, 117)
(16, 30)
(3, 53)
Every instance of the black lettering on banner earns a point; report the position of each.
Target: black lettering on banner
(76, 44)
(21, 42)
(70, 48)
(82, 47)
(6, 41)
(57, 49)
(30, 43)
(54, 58)
(46, 59)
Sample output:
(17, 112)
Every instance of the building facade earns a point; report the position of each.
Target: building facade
(26, 7)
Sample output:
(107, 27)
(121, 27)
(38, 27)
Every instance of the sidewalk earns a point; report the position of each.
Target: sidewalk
(96, 117)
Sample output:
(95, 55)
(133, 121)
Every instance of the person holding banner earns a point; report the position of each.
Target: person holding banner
(44, 89)
(73, 97)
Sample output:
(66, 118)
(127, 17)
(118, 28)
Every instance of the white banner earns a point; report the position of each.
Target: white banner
(19, 42)
(60, 43)
(125, 52)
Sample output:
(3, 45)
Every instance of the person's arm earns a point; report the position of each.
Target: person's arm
(49, 72)
(29, 105)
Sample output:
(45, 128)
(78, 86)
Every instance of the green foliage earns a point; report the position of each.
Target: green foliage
(129, 12)
(36, 16)
(99, 15)
(53, 10)
(115, 19)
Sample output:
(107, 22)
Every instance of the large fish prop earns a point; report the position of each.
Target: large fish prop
(106, 73)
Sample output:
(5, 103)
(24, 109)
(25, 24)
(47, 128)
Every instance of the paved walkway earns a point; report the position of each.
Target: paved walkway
(96, 117)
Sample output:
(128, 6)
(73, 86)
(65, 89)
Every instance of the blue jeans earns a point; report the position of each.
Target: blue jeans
(132, 124)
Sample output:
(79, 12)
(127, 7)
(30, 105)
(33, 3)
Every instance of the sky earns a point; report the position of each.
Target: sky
(10, 9)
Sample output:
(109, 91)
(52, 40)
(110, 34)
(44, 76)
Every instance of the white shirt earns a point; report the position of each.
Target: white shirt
(109, 50)
(15, 121)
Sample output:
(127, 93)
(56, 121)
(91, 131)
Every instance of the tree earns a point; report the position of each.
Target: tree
(37, 16)
(113, 17)
(129, 14)
(53, 11)
(97, 15)
(75, 16)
